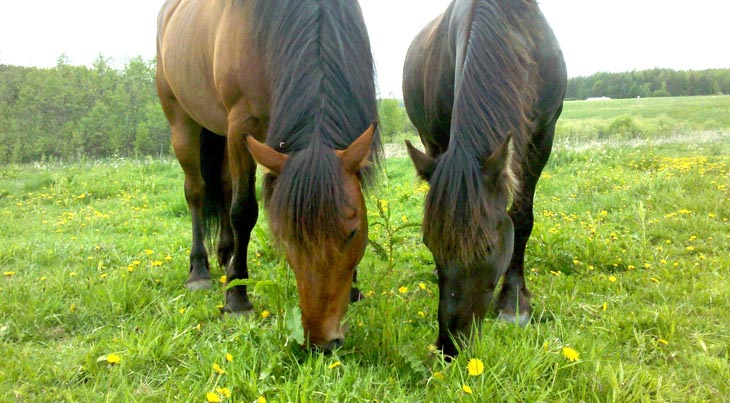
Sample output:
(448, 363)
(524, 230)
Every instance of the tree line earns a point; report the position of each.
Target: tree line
(71, 112)
(650, 83)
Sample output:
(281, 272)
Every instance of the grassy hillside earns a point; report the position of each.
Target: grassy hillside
(645, 118)
(629, 264)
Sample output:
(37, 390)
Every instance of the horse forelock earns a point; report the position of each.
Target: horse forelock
(306, 205)
(461, 213)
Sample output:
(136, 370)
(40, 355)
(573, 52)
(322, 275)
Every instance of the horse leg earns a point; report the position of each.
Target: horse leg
(355, 294)
(244, 210)
(513, 303)
(225, 236)
(186, 144)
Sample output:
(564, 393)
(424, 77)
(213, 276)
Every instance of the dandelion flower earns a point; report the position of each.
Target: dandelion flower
(156, 263)
(438, 375)
(113, 358)
(466, 389)
(168, 258)
(148, 252)
(9, 273)
(72, 308)
(265, 314)
(570, 354)
(422, 286)
(403, 289)
(224, 391)
(475, 367)
(261, 399)
(223, 279)
(663, 342)
(612, 279)
(182, 310)
(229, 357)
(218, 369)
(212, 397)
(335, 365)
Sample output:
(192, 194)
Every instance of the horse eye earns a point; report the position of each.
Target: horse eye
(351, 236)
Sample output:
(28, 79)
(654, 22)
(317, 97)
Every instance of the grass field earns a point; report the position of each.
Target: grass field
(645, 118)
(629, 263)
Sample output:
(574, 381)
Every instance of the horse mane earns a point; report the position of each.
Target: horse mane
(320, 66)
(492, 98)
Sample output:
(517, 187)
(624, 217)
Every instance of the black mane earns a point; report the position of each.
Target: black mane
(493, 97)
(319, 63)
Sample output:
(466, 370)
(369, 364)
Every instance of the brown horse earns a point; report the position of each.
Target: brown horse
(484, 85)
(288, 84)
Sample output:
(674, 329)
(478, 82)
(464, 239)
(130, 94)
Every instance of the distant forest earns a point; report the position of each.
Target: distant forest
(74, 112)
(650, 83)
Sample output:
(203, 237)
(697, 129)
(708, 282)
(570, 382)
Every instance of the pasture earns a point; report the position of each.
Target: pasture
(629, 264)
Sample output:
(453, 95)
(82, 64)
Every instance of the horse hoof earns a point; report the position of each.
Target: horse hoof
(199, 284)
(521, 320)
(356, 295)
(229, 314)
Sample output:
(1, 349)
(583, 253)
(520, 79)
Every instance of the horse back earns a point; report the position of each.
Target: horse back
(207, 63)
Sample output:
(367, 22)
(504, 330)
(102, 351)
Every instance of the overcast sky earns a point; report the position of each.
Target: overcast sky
(596, 35)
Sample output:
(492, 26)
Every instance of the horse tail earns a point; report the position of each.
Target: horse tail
(212, 154)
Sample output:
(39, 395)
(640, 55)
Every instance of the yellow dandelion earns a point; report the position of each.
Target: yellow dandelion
(690, 248)
(113, 358)
(438, 375)
(605, 306)
(571, 354)
(44, 278)
(475, 367)
(662, 342)
(72, 308)
(212, 397)
(156, 263)
(421, 314)
(467, 389)
(218, 369)
(403, 289)
(148, 252)
(612, 279)
(656, 280)
(335, 365)
(261, 399)
(223, 279)
(265, 314)
(9, 273)
(224, 391)
(168, 258)
(404, 219)
(229, 357)
(73, 274)
(130, 268)
(182, 310)
(136, 262)
(431, 348)
(422, 286)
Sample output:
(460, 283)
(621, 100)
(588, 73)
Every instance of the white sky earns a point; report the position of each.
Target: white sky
(596, 35)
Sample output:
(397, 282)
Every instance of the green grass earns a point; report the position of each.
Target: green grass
(629, 264)
(645, 118)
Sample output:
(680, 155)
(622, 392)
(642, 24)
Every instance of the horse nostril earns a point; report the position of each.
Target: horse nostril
(334, 344)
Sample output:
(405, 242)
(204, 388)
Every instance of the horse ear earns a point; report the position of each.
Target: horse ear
(266, 156)
(498, 163)
(355, 157)
(425, 165)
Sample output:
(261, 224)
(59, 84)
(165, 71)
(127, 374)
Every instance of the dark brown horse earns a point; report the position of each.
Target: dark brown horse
(483, 84)
(288, 84)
